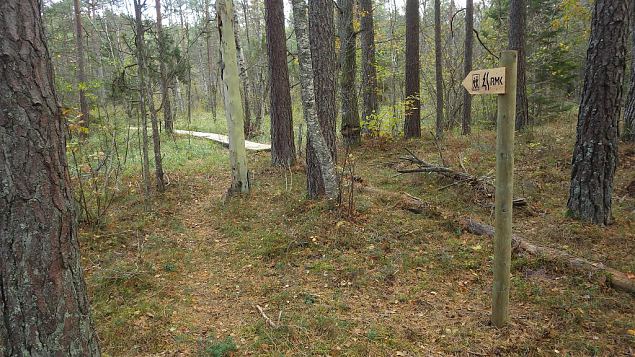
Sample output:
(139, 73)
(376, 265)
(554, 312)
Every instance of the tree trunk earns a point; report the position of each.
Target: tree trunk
(348, 65)
(595, 153)
(139, 43)
(412, 125)
(322, 38)
(629, 112)
(231, 93)
(369, 69)
(211, 80)
(244, 78)
(81, 67)
(44, 308)
(319, 144)
(165, 94)
(517, 29)
(467, 65)
(438, 62)
(282, 145)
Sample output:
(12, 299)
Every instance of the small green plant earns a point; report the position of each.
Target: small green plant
(220, 348)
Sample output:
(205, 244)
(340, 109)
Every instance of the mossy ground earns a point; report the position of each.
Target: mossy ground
(184, 276)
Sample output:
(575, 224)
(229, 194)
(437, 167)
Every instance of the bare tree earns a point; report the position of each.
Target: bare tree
(282, 145)
(412, 125)
(321, 36)
(165, 96)
(81, 66)
(438, 63)
(517, 30)
(231, 93)
(467, 65)
(369, 65)
(43, 301)
(348, 65)
(314, 130)
(629, 112)
(595, 152)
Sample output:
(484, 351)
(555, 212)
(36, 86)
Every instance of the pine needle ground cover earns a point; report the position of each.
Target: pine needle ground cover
(274, 274)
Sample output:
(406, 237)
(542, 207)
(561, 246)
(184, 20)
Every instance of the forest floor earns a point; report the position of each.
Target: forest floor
(186, 276)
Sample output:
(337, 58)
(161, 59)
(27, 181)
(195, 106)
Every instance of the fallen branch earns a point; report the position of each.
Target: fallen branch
(404, 201)
(483, 184)
(616, 278)
(267, 319)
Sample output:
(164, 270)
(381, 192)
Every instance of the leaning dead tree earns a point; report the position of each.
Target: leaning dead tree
(483, 184)
(616, 278)
(416, 205)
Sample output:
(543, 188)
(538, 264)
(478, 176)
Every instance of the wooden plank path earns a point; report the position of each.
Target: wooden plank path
(224, 139)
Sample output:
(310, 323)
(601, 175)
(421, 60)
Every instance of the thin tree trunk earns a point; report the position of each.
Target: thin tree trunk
(350, 115)
(244, 78)
(467, 65)
(438, 62)
(319, 144)
(211, 74)
(139, 42)
(81, 67)
(321, 37)
(517, 30)
(595, 153)
(44, 307)
(629, 112)
(282, 145)
(412, 125)
(165, 94)
(231, 92)
(369, 76)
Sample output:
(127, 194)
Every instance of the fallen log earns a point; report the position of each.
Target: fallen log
(616, 278)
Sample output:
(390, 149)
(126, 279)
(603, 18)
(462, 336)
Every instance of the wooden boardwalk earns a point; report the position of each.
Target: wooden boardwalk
(224, 139)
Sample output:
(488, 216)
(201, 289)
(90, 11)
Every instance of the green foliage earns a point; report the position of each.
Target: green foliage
(220, 348)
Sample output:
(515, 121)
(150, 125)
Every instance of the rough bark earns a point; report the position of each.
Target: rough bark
(165, 94)
(467, 65)
(595, 154)
(318, 142)
(517, 30)
(322, 40)
(629, 112)
(369, 69)
(412, 125)
(231, 93)
(350, 128)
(44, 308)
(438, 63)
(81, 66)
(282, 145)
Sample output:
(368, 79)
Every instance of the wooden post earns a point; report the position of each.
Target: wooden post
(505, 127)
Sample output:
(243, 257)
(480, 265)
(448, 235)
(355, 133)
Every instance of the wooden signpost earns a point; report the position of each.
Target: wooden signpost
(485, 81)
(501, 81)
